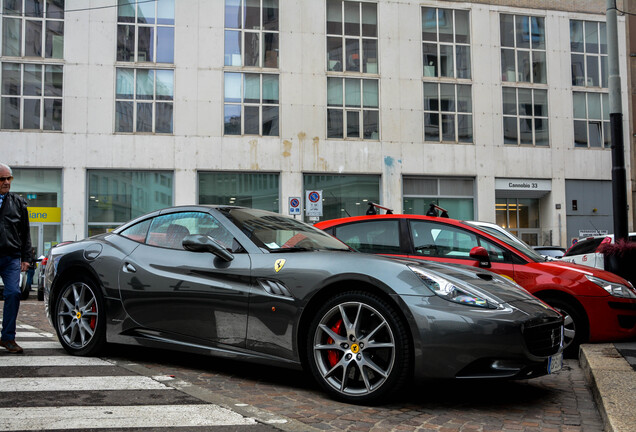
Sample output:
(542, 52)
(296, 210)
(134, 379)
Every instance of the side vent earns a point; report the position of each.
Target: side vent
(274, 288)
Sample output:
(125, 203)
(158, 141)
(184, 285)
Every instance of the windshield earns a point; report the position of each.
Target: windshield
(515, 243)
(278, 233)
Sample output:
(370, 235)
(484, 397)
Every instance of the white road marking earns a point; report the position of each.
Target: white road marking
(19, 334)
(117, 417)
(39, 345)
(52, 361)
(80, 384)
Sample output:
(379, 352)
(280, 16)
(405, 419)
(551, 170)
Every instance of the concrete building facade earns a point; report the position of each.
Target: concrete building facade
(494, 109)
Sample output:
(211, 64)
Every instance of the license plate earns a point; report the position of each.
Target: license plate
(555, 363)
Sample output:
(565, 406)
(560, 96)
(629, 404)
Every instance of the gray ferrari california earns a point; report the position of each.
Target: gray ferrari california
(258, 286)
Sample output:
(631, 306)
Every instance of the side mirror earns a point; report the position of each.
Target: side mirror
(480, 254)
(204, 243)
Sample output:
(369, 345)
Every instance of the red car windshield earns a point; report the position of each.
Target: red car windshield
(520, 246)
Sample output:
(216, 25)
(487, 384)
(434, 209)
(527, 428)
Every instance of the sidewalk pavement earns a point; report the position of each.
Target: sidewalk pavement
(610, 370)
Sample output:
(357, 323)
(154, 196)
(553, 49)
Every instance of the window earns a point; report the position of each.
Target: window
(448, 112)
(251, 104)
(32, 92)
(33, 28)
(352, 37)
(344, 195)
(523, 57)
(588, 46)
(31, 96)
(145, 31)
(591, 120)
(254, 190)
(382, 236)
(251, 33)
(525, 116)
(144, 95)
(445, 43)
(114, 197)
(520, 216)
(352, 52)
(144, 100)
(452, 194)
(353, 108)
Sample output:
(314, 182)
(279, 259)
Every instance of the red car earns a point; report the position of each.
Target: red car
(597, 305)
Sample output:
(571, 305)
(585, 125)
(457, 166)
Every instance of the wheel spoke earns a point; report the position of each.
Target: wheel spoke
(76, 310)
(333, 335)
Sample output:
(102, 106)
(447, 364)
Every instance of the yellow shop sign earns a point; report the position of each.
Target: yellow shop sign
(45, 214)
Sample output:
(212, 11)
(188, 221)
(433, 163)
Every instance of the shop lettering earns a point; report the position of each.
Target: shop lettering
(33, 215)
(524, 185)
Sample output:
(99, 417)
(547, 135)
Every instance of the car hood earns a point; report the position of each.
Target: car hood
(562, 268)
(496, 286)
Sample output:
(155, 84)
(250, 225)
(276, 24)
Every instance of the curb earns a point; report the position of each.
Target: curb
(613, 383)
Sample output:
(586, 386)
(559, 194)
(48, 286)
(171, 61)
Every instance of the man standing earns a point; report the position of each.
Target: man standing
(15, 255)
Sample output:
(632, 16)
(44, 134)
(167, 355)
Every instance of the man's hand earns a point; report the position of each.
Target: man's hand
(24, 265)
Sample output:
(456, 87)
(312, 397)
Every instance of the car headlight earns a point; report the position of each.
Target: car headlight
(615, 289)
(451, 291)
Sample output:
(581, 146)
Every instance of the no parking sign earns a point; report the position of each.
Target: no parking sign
(294, 205)
(313, 203)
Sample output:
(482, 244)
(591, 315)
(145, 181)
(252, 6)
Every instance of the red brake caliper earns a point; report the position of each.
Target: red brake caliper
(93, 318)
(334, 356)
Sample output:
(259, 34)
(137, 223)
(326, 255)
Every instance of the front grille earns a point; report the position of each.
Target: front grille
(545, 339)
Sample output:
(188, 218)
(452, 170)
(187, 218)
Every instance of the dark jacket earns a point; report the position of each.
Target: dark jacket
(15, 236)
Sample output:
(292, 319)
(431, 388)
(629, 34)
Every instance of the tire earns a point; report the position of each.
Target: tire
(575, 326)
(358, 348)
(79, 317)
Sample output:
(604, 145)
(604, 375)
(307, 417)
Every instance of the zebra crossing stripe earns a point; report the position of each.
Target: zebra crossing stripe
(19, 334)
(6, 361)
(119, 417)
(32, 384)
(39, 345)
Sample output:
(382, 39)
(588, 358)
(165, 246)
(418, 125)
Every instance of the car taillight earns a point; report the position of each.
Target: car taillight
(43, 262)
(605, 241)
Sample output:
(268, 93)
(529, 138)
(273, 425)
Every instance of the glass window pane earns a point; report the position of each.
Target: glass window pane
(251, 49)
(353, 124)
(525, 101)
(507, 30)
(603, 37)
(429, 52)
(32, 80)
(334, 54)
(463, 61)
(510, 130)
(525, 131)
(369, 20)
(270, 50)
(259, 190)
(447, 97)
(578, 70)
(10, 111)
(53, 80)
(232, 48)
(431, 127)
(11, 36)
(165, 85)
(125, 42)
(538, 33)
(541, 136)
(594, 106)
(34, 8)
(607, 135)
(371, 124)
(233, 87)
(165, 45)
(509, 101)
(431, 96)
(579, 104)
(508, 69)
(54, 39)
(251, 120)
(125, 11)
(145, 44)
(125, 83)
(53, 114)
(344, 194)
(595, 134)
(334, 17)
(465, 128)
(540, 103)
(334, 91)
(270, 14)
(334, 123)
(33, 38)
(445, 25)
(429, 24)
(464, 99)
(123, 116)
(605, 103)
(591, 37)
(270, 89)
(446, 61)
(352, 92)
(538, 67)
(370, 56)
(270, 121)
(352, 18)
(576, 36)
(592, 71)
(232, 120)
(145, 84)
(233, 14)
(462, 27)
(31, 119)
(523, 66)
(522, 30)
(144, 117)
(252, 14)
(370, 93)
(12, 7)
(448, 127)
(165, 12)
(580, 133)
(352, 47)
(146, 12)
(252, 83)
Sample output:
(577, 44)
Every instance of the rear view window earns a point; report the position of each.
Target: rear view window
(584, 246)
(382, 236)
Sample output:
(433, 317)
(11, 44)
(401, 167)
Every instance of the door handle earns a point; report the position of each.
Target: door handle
(129, 268)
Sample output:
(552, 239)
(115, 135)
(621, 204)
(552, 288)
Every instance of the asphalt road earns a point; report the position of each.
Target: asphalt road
(289, 400)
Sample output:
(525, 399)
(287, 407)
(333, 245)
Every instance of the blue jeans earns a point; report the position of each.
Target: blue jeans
(10, 273)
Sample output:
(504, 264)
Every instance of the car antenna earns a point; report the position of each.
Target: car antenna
(344, 209)
(373, 209)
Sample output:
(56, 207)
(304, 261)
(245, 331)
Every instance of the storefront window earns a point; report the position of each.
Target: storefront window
(254, 190)
(115, 197)
(344, 195)
(521, 217)
(455, 195)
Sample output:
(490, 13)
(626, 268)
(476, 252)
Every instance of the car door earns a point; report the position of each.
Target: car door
(379, 236)
(442, 242)
(191, 296)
